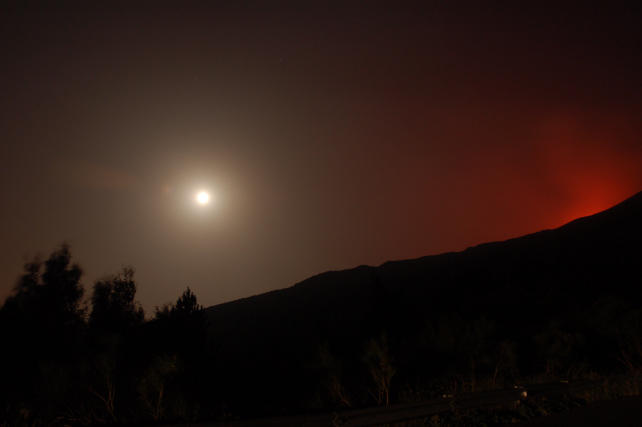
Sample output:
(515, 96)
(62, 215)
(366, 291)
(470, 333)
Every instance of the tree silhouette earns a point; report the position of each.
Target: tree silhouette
(180, 332)
(379, 361)
(42, 323)
(328, 366)
(185, 307)
(54, 296)
(113, 306)
(152, 387)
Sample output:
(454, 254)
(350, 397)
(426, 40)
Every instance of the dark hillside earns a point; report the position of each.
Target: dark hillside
(519, 286)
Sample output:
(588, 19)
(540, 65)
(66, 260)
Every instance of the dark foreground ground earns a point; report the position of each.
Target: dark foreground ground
(623, 412)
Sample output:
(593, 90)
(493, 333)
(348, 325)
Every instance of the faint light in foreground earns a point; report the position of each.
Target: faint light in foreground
(202, 197)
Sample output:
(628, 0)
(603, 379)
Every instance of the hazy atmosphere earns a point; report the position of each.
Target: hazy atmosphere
(327, 134)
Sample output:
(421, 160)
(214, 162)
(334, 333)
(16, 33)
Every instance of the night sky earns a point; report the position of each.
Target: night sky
(328, 134)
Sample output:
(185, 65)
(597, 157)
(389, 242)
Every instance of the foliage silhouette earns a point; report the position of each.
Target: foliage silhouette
(152, 386)
(42, 324)
(379, 361)
(114, 308)
(180, 331)
(329, 369)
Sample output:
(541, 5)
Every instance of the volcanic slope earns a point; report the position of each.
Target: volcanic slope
(519, 286)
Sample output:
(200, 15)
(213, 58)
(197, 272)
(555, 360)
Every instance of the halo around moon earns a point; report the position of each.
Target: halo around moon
(202, 198)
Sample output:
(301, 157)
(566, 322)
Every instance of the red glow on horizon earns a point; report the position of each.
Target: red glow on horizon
(585, 159)
(589, 206)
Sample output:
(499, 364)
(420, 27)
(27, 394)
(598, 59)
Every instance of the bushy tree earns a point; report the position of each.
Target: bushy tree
(42, 323)
(53, 296)
(114, 308)
(560, 351)
(180, 332)
(186, 306)
(111, 365)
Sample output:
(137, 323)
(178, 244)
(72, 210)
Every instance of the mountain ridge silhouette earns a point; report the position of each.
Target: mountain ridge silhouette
(520, 285)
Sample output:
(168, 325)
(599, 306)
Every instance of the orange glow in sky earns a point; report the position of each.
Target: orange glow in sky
(590, 160)
(327, 134)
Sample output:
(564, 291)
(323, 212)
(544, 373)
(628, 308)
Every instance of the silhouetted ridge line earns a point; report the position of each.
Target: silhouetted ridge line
(517, 287)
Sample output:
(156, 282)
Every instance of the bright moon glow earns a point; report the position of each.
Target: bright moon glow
(202, 197)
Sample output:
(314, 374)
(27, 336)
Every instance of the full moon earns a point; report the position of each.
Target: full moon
(202, 197)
